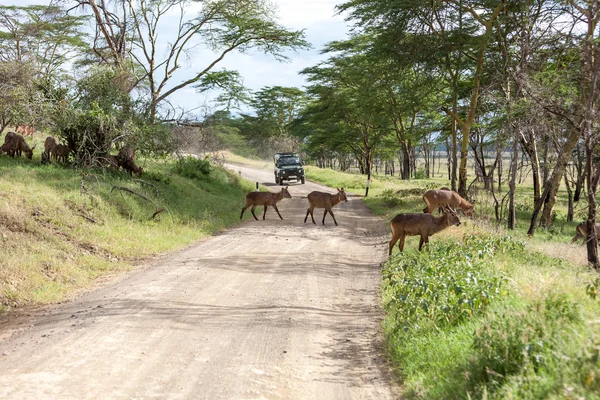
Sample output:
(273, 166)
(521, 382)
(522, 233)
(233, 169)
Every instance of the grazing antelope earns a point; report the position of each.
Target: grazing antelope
(126, 160)
(15, 144)
(129, 165)
(49, 145)
(440, 198)
(9, 147)
(326, 201)
(581, 232)
(25, 130)
(423, 225)
(265, 199)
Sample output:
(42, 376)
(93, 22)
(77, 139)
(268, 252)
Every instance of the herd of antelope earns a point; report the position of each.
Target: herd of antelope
(403, 225)
(446, 201)
(15, 145)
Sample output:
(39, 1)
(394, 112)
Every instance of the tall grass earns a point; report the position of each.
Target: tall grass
(60, 227)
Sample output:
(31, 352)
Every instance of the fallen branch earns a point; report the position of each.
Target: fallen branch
(122, 189)
(92, 220)
(147, 183)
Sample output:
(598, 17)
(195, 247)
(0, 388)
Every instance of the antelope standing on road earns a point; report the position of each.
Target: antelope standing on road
(326, 201)
(265, 199)
(441, 198)
(423, 225)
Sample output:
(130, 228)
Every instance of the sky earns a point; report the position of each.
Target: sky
(316, 17)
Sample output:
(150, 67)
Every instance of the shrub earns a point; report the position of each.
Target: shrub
(531, 348)
(390, 199)
(192, 167)
(445, 284)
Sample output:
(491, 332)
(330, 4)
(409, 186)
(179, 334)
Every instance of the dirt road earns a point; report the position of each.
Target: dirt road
(266, 310)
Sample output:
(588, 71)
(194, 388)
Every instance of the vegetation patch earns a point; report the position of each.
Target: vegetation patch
(457, 329)
(60, 228)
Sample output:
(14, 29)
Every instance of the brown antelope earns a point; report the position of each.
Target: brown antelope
(326, 201)
(49, 145)
(25, 130)
(126, 160)
(15, 144)
(129, 165)
(265, 199)
(61, 152)
(440, 198)
(423, 225)
(9, 147)
(581, 232)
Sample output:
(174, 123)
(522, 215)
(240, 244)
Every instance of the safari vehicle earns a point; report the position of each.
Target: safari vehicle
(288, 166)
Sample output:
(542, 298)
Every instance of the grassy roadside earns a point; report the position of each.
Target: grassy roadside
(483, 312)
(61, 228)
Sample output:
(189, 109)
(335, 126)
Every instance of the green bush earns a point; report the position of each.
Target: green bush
(390, 198)
(534, 353)
(444, 284)
(192, 167)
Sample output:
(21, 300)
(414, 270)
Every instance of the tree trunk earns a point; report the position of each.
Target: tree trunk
(530, 147)
(499, 162)
(512, 215)
(570, 208)
(405, 170)
(591, 240)
(551, 187)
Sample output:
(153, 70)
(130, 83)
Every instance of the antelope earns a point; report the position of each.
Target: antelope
(25, 130)
(61, 152)
(49, 145)
(126, 160)
(326, 201)
(265, 199)
(15, 144)
(440, 198)
(581, 232)
(8, 147)
(129, 165)
(423, 225)
(126, 153)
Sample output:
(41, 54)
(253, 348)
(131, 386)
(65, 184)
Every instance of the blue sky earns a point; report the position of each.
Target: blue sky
(316, 17)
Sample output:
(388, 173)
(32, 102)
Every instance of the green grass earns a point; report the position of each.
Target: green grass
(60, 228)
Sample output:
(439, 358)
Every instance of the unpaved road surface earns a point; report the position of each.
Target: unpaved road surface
(265, 310)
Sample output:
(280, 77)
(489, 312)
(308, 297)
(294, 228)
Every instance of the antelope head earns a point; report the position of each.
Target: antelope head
(342, 194)
(451, 216)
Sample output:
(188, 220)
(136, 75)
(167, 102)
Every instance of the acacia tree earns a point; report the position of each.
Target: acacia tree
(347, 94)
(276, 108)
(406, 18)
(588, 12)
(219, 26)
(133, 30)
(36, 43)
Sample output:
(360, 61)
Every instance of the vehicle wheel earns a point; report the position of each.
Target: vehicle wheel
(280, 182)
(302, 179)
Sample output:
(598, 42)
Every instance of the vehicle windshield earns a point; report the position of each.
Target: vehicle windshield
(289, 161)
